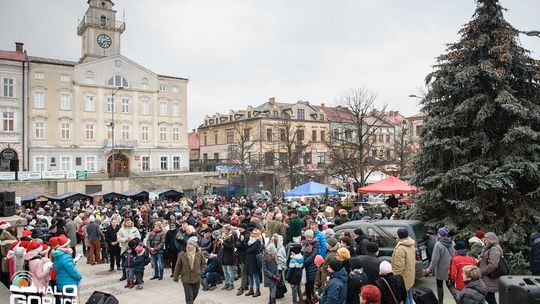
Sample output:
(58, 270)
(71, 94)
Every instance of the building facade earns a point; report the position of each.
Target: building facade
(105, 113)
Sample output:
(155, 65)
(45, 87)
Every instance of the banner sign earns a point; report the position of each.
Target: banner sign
(7, 176)
(29, 175)
(53, 175)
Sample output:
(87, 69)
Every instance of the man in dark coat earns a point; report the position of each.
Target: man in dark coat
(535, 253)
(370, 262)
(361, 242)
(170, 246)
(310, 251)
(112, 244)
(241, 247)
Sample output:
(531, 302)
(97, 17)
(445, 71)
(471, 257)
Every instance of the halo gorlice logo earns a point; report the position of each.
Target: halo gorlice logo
(24, 291)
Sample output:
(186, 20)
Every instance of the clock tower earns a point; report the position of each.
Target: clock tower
(99, 30)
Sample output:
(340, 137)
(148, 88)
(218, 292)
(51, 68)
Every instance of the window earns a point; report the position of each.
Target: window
(205, 157)
(175, 89)
(89, 131)
(176, 109)
(205, 142)
(103, 21)
(216, 157)
(39, 100)
(300, 113)
(125, 132)
(176, 162)
(125, 105)
(145, 163)
(348, 135)
(145, 131)
(65, 78)
(282, 135)
(108, 134)
(65, 130)
(118, 81)
(321, 158)
(8, 121)
(40, 164)
(8, 87)
(418, 130)
(230, 137)
(65, 163)
(39, 75)
(163, 134)
(323, 136)
(110, 104)
(322, 117)
(246, 135)
(215, 138)
(269, 134)
(249, 114)
(163, 108)
(89, 104)
(39, 130)
(276, 114)
(307, 158)
(162, 88)
(78, 161)
(313, 135)
(300, 136)
(65, 101)
(144, 84)
(268, 158)
(387, 138)
(145, 107)
(336, 133)
(176, 134)
(89, 78)
(91, 163)
(163, 163)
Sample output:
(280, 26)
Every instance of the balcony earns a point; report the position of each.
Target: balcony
(98, 22)
(120, 144)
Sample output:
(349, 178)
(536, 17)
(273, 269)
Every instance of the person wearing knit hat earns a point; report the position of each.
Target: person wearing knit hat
(310, 250)
(332, 244)
(156, 247)
(335, 290)
(190, 267)
(193, 241)
(329, 233)
(460, 260)
(441, 257)
(404, 260)
(443, 232)
(476, 243)
(343, 254)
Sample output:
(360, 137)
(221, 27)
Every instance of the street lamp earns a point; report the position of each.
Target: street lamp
(113, 167)
(415, 96)
(532, 33)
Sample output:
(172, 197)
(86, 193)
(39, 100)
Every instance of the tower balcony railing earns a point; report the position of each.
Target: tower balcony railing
(99, 22)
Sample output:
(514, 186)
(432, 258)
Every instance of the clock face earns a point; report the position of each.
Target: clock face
(104, 41)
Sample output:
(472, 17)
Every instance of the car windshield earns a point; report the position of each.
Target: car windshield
(420, 231)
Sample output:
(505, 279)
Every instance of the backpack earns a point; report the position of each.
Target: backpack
(502, 269)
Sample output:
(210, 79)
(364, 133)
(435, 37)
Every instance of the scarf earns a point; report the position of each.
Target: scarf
(191, 257)
(252, 240)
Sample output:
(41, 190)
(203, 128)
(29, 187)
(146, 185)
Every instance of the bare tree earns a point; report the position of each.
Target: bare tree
(241, 150)
(352, 142)
(403, 147)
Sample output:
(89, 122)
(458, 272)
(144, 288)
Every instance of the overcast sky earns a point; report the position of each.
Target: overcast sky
(240, 52)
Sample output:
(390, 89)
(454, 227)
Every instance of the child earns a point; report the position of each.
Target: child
(127, 262)
(138, 266)
(212, 271)
(270, 271)
(294, 273)
(475, 290)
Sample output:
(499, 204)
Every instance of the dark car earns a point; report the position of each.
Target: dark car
(384, 232)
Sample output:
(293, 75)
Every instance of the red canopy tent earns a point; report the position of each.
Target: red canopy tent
(389, 185)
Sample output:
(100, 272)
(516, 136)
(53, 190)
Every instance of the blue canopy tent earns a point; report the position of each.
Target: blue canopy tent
(311, 188)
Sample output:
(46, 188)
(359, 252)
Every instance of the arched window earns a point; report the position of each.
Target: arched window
(89, 77)
(118, 81)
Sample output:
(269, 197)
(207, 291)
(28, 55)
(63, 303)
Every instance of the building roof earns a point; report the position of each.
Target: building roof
(173, 77)
(52, 61)
(418, 115)
(193, 141)
(337, 114)
(12, 55)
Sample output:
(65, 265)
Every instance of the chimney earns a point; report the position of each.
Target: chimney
(272, 100)
(19, 47)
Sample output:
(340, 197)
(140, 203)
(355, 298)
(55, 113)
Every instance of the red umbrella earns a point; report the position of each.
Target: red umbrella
(389, 185)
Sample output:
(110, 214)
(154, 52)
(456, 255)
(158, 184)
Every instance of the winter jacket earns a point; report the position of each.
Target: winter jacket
(321, 241)
(205, 244)
(93, 232)
(275, 226)
(41, 274)
(404, 261)
(489, 261)
(241, 246)
(227, 252)
(270, 269)
(361, 243)
(185, 272)
(66, 272)
(137, 262)
(295, 228)
(322, 272)
(341, 220)
(71, 232)
(336, 289)
(212, 265)
(6, 239)
(125, 234)
(156, 240)
(474, 293)
(476, 246)
(310, 251)
(397, 285)
(369, 263)
(294, 272)
(282, 254)
(169, 241)
(111, 234)
(357, 279)
(456, 268)
(252, 265)
(535, 253)
(442, 255)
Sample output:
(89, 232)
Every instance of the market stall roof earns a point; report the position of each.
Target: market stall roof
(311, 188)
(166, 192)
(38, 197)
(70, 195)
(389, 185)
(107, 195)
(135, 193)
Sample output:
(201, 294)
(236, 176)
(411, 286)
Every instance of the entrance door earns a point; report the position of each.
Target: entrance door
(121, 165)
(9, 160)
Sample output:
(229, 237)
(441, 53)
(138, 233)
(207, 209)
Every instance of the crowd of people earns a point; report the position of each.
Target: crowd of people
(240, 245)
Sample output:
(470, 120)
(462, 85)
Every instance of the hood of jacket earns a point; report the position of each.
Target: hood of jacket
(477, 285)
(475, 239)
(340, 275)
(446, 241)
(57, 254)
(279, 239)
(492, 238)
(535, 235)
(406, 242)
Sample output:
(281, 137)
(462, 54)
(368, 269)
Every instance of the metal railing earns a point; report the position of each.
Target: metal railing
(94, 21)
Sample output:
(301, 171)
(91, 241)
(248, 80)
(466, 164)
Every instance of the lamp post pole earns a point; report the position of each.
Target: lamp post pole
(113, 165)
(532, 33)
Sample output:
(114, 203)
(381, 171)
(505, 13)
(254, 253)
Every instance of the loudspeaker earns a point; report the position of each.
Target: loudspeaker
(7, 203)
(519, 289)
(99, 297)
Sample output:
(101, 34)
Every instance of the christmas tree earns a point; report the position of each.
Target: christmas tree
(479, 164)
